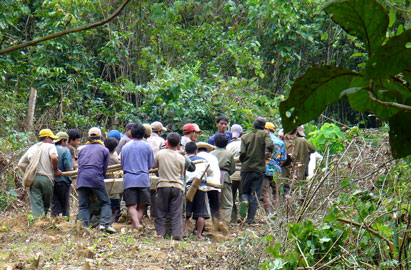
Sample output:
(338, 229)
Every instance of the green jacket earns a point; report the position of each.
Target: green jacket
(225, 162)
(253, 148)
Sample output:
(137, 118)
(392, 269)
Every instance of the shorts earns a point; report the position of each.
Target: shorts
(198, 207)
(137, 195)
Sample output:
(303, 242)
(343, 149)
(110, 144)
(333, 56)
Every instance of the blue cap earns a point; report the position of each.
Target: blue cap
(115, 134)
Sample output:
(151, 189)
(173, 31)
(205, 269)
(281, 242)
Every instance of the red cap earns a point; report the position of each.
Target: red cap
(189, 128)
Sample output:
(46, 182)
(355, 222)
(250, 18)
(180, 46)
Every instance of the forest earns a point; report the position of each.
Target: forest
(342, 68)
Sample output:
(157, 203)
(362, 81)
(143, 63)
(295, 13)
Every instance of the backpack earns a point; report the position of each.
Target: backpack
(31, 169)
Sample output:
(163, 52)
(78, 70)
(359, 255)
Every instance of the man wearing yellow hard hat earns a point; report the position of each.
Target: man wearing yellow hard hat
(44, 154)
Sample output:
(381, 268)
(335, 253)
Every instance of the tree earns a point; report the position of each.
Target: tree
(382, 86)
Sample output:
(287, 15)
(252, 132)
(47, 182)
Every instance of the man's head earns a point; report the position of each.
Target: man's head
(269, 127)
(158, 127)
(189, 130)
(221, 140)
(129, 126)
(62, 138)
(111, 143)
(259, 123)
(173, 139)
(148, 130)
(74, 137)
(222, 124)
(138, 131)
(46, 135)
(191, 148)
(94, 133)
(236, 131)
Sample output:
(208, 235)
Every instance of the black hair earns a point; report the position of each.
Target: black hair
(138, 131)
(173, 139)
(222, 118)
(59, 142)
(110, 143)
(221, 140)
(191, 147)
(42, 139)
(129, 126)
(93, 138)
(259, 123)
(74, 134)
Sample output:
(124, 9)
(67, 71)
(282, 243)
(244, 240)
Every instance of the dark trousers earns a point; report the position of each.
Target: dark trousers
(169, 202)
(153, 205)
(84, 205)
(235, 186)
(40, 195)
(252, 184)
(60, 203)
(214, 202)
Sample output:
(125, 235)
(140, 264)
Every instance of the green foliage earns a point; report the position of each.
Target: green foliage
(7, 198)
(327, 134)
(309, 240)
(382, 87)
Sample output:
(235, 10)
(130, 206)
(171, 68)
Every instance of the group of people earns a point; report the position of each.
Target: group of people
(158, 172)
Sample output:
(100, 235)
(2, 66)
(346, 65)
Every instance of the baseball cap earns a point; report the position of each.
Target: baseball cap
(61, 136)
(269, 126)
(236, 130)
(300, 131)
(188, 128)
(47, 133)
(114, 134)
(196, 128)
(157, 126)
(94, 132)
(148, 129)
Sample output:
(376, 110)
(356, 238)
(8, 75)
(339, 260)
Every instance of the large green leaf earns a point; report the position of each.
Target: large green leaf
(313, 92)
(360, 101)
(400, 134)
(391, 58)
(365, 19)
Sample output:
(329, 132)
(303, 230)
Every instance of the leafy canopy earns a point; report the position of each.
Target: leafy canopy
(382, 86)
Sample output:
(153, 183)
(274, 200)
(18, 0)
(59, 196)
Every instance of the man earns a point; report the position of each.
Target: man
(136, 160)
(189, 134)
(273, 168)
(227, 168)
(73, 142)
(298, 153)
(252, 157)
(60, 203)
(222, 125)
(41, 190)
(92, 167)
(155, 140)
(234, 147)
(197, 209)
(111, 144)
(213, 179)
(125, 139)
(148, 132)
(170, 189)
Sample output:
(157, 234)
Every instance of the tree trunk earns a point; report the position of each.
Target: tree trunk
(31, 109)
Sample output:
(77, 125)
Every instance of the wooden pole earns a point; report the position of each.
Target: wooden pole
(31, 108)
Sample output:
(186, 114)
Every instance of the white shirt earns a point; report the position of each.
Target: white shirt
(155, 142)
(213, 178)
(45, 166)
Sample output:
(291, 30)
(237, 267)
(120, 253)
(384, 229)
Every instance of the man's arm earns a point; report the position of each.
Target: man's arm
(55, 162)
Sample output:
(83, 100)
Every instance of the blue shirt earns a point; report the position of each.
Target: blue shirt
(65, 163)
(92, 166)
(279, 155)
(136, 159)
(228, 134)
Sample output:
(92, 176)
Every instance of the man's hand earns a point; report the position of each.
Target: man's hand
(57, 173)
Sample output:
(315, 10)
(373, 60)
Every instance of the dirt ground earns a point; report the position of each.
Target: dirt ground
(59, 244)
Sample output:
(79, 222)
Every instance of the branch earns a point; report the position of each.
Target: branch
(389, 104)
(65, 32)
(370, 230)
